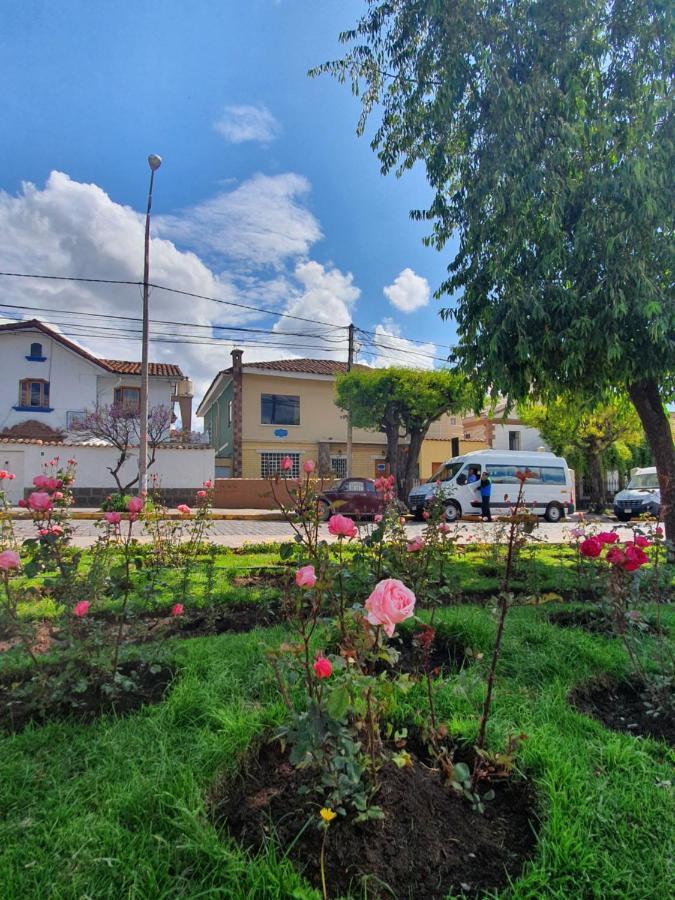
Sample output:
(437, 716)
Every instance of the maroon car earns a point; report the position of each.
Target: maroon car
(352, 497)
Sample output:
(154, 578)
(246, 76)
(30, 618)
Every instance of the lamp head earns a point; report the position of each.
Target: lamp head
(154, 161)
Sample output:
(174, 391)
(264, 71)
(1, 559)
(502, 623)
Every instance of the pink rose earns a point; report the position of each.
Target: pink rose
(9, 559)
(72, 461)
(184, 509)
(207, 484)
(658, 531)
(177, 609)
(53, 484)
(57, 530)
(641, 541)
(308, 466)
(286, 464)
(22, 503)
(43, 532)
(40, 501)
(305, 577)
(113, 518)
(402, 520)
(3, 474)
(635, 557)
(201, 494)
(426, 515)
(322, 667)
(444, 528)
(11, 476)
(415, 545)
(390, 603)
(591, 547)
(607, 537)
(135, 504)
(81, 609)
(378, 518)
(40, 481)
(341, 526)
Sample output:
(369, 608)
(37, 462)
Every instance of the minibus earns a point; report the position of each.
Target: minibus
(549, 487)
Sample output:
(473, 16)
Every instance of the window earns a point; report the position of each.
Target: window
(74, 418)
(34, 393)
(36, 353)
(502, 474)
(453, 420)
(229, 412)
(354, 487)
(128, 398)
(338, 465)
(552, 475)
(270, 464)
(514, 440)
(279, 409)
(446, 473)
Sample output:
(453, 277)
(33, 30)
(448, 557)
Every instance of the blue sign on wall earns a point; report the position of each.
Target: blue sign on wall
(280, 432)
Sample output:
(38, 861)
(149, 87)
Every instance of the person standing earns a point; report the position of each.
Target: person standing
(485, 488)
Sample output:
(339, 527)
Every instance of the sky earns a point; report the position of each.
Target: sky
(266, 197)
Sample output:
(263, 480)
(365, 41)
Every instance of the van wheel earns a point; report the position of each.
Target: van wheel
(554, 512)
(453, 512)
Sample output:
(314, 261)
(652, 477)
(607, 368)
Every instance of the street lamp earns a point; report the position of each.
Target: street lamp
(154, 162)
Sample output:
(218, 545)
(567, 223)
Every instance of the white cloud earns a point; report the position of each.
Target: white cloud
(389, 348)
(408, 292)
(261, 222)
(68, 228)
(247, 123)
(325, 296)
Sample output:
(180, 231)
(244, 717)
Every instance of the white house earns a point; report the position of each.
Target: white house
(46, 384)
(502, 432)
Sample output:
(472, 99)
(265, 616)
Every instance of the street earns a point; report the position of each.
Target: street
(234, 533)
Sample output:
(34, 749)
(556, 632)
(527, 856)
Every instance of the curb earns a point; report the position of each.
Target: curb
(262, 516)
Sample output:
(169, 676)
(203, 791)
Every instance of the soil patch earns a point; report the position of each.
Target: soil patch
(79, 693)
(447, 654)
(620, 706)
(234, 617)
(429, 843)
(261, 579)
(594, 621)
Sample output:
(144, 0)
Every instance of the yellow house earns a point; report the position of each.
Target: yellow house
(257, 413)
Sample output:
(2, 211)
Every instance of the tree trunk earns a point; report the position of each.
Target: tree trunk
(411, 464)
(597, 499)
(649, 406)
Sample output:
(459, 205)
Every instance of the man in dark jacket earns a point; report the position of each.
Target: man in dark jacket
(485, 488)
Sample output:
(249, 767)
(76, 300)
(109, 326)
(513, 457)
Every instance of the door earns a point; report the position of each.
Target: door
(12, 461)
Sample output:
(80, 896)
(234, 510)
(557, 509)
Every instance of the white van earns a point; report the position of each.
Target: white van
(549, 486)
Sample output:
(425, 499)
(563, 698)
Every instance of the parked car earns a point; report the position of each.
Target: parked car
(643, 495)
(549, 489)
(352, 497)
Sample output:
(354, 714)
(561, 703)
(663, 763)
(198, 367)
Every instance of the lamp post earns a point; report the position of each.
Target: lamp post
(154, 162)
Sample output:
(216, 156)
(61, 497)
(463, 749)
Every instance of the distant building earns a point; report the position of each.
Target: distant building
(47, 382)
(500, 433)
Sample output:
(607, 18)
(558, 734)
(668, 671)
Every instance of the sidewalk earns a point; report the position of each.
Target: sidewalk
(247, 515)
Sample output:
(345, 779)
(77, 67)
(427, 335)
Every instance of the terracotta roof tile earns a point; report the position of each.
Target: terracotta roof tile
(303, 366)
(124, 367)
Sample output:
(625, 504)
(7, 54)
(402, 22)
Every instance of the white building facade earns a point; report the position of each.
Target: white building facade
(47, 383)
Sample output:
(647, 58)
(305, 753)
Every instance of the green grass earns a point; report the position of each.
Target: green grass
(117, 808)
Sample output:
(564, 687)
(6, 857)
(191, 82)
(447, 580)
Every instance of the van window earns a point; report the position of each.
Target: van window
(553, 475)
(646, 480)
(446, 473)
(500, 474)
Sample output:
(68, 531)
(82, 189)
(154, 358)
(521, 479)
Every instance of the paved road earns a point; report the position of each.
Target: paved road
(236, 533)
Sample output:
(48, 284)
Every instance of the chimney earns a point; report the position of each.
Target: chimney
(237, 393)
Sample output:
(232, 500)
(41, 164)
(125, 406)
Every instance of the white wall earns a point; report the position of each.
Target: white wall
(176, 468)
(530, 439)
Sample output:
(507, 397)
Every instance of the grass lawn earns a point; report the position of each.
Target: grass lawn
(117, 808)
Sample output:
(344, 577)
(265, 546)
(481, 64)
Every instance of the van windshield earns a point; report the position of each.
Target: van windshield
(446, 472)
(646, 480)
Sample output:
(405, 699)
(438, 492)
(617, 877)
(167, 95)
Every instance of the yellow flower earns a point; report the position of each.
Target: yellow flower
(327, 815)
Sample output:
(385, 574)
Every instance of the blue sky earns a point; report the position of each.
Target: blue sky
(266, 196)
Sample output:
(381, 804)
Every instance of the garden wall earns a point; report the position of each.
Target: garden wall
(248, 493)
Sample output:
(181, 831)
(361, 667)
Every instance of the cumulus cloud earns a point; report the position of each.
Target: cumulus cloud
(408, 291)
(389, 348)
(239, 124)
(68, 228)
(261, 222)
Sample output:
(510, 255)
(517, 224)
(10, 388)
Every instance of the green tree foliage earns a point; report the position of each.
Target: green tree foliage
(402, 403)
(591, 437)
(546, 130)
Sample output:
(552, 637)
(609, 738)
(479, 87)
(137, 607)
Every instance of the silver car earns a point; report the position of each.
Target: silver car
(642, 496)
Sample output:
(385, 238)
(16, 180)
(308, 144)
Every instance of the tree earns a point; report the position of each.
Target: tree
(120, 426)
(401, 403)
(546, 130)
(590, 437)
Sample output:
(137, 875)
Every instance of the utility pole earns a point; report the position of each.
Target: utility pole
(154, 162)
(350, 363)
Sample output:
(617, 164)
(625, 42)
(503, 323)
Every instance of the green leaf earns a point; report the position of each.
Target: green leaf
(338, 703)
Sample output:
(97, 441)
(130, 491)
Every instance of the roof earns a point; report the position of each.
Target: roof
(168, 370)
(118, 366)
(97, 442)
